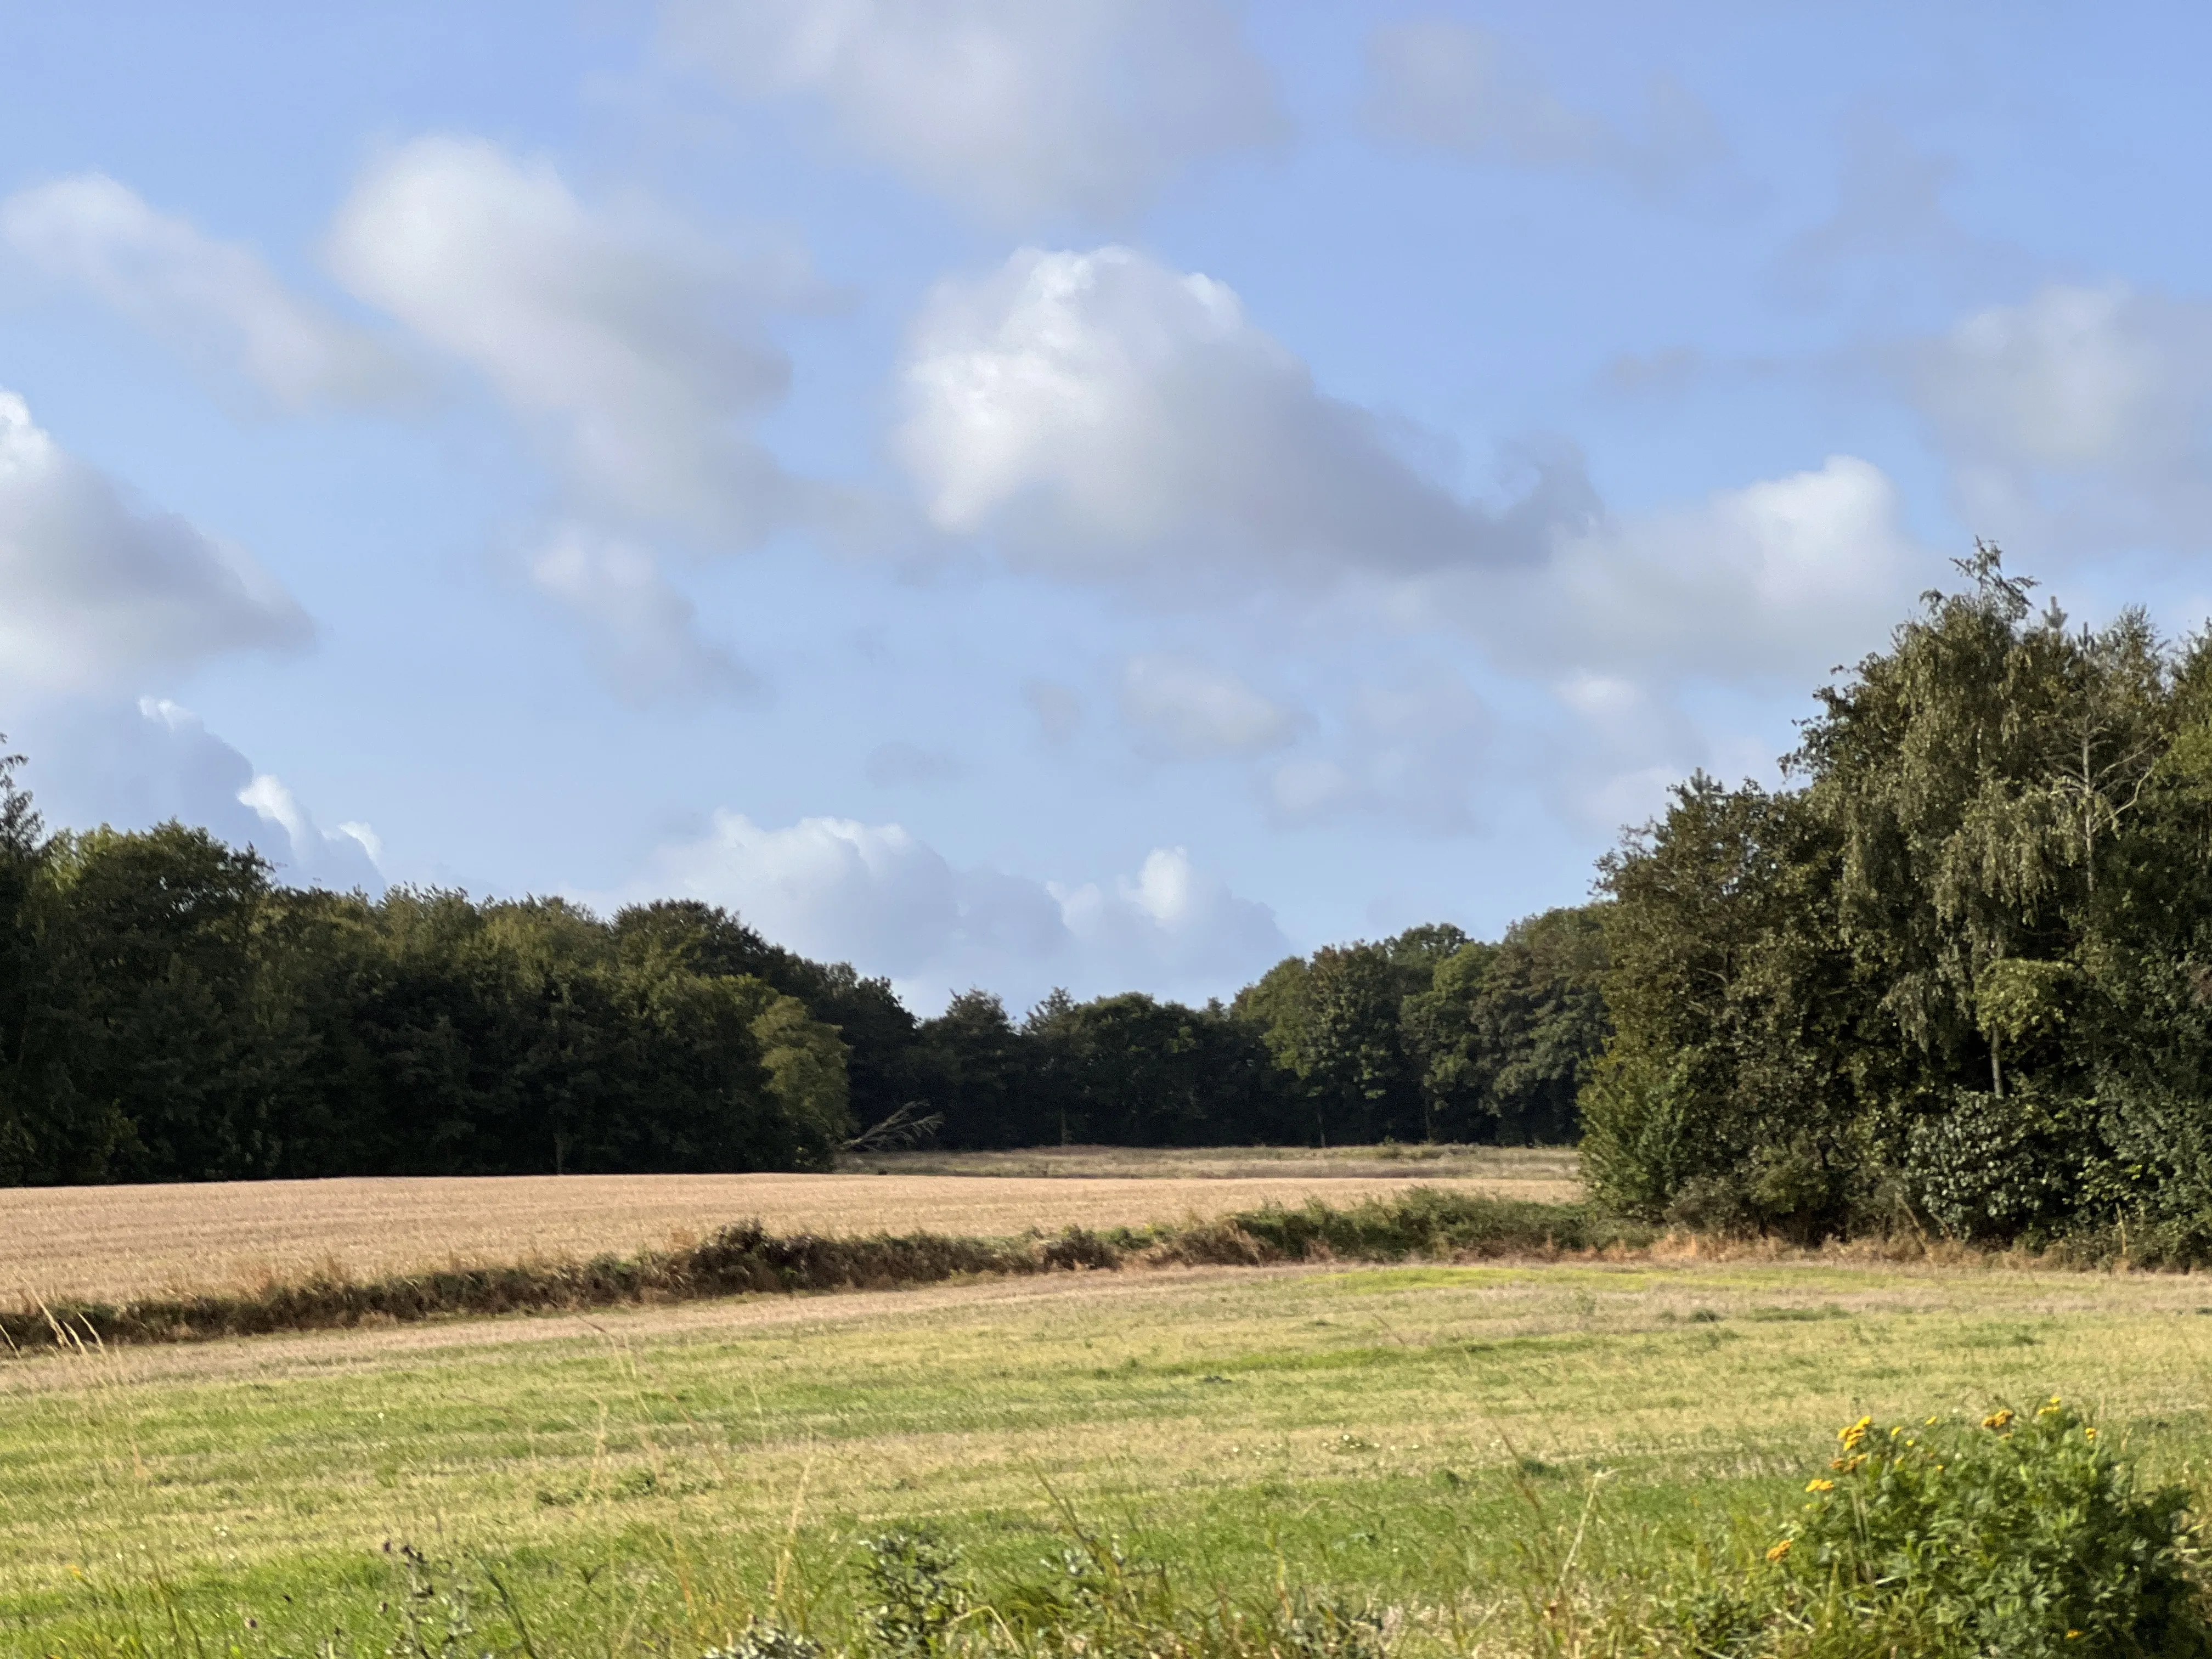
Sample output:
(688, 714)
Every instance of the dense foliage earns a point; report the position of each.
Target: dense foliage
(1430, 1035)
(168, 1011)
(1958, 976)
(174, 1015)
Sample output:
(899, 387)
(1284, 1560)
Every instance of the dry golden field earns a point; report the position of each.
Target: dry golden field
(114, 1242)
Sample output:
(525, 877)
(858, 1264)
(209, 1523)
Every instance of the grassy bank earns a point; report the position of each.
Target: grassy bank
(1414, 1438)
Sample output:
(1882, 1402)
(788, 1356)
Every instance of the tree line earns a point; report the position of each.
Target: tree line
(170, 1011)
(1955, 975)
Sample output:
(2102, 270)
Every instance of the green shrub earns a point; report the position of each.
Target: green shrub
(1990, 1168)
(919, 1599)
(2021, 1536)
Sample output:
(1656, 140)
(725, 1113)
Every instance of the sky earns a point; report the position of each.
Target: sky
(1034, 493)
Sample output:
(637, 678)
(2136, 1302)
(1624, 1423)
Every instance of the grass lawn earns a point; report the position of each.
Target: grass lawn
(641, 1481)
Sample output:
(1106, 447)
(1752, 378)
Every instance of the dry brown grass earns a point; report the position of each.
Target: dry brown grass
(1553, 1165)
(114, 1244)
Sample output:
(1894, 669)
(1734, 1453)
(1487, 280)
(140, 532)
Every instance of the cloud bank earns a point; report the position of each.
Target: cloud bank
(876, 896)
(100, 760)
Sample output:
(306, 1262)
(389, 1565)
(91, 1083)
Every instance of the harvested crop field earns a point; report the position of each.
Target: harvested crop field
(113, 1243)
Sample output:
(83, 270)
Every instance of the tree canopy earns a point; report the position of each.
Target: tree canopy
(169, 1011)
(1957, 975)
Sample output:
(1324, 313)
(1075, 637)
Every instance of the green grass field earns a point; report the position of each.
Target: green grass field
(1417, 1438)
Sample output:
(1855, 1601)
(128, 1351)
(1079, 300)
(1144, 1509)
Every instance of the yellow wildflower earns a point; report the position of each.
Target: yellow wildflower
(1998, 1419)
(2089, 1434)
(1820, 1486)
(1778, 1551)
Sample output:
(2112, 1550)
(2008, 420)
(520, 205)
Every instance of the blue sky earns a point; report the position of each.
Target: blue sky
(1099, 492)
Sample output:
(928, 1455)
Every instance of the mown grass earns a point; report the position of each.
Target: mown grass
(646, 1479)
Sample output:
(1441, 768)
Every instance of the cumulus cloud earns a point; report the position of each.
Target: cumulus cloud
(2082, 415)
(1099, 415)
(1452, 86)
(646, 633)
(1784, 576)
(1652, 642)
(636, 344)
(878, 897)
(93, 589)
(1171, 920)
(1197, 711)
(96, 761)
(1010, 108)
(216, 301)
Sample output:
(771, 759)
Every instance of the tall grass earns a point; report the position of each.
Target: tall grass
(2020, 1537)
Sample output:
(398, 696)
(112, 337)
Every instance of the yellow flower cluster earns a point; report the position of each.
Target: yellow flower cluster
(1852, 1436)
(1999, 1420)
(1779, 1550)
(1820, 1486)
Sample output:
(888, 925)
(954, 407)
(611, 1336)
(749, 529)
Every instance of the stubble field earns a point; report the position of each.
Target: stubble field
(111, 1243)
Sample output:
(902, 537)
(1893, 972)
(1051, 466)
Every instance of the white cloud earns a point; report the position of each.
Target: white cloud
(1785, 576)
(875, 896)
(646, 633)
(637, 344)
(1656, 638)
(1171, 922)
(1198, 711)
(216, 301)
(344, 857)
(1100, 415)
(93, 590)
(1452, 87)
(1010, 107)
(96, 761)
(2073, 377)
(2081, 416)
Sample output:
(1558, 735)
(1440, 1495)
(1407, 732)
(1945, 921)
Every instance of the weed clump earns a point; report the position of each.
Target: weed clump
(2020, 1536)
